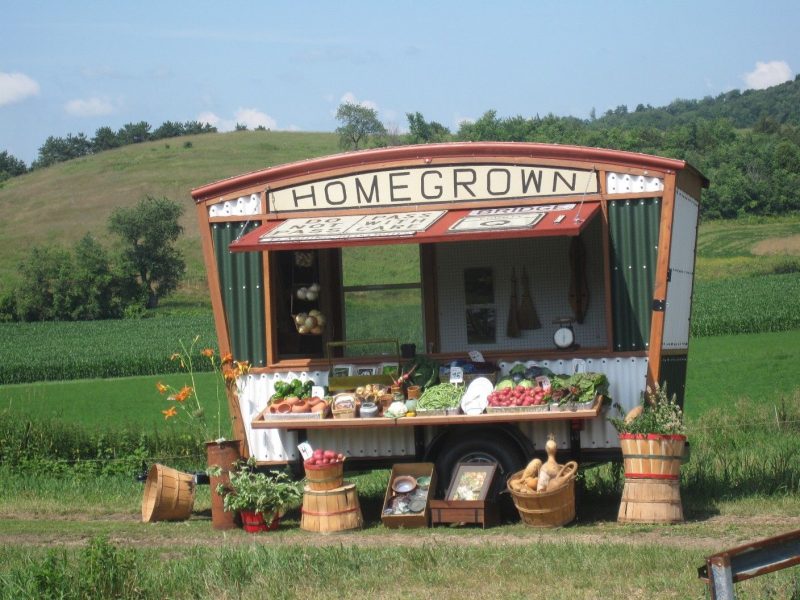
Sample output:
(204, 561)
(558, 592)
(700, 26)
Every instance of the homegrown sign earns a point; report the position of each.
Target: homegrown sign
(433, 185)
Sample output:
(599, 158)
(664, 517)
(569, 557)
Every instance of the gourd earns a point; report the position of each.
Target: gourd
(532, 470)
(551, 467)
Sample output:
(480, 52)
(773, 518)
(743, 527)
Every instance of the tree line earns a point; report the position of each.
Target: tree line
(87, 282)
(59, 149)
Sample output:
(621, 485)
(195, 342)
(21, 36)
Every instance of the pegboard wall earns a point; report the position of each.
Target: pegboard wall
(547, 263)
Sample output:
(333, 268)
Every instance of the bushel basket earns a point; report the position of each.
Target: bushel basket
(168, 495)
(320, 478)
(652, 456)
(545, 509)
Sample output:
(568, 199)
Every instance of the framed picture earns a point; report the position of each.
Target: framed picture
(365, 370)
(470, 482)
(342, 370)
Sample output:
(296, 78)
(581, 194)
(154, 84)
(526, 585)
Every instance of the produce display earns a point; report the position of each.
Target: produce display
(541, 477)
(324, 457)
(537, 386)
(519, 395)
(293, 389)
(424, 371)
(442, 396)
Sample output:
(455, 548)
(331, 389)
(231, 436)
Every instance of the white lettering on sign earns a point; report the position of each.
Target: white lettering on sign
(496, 222)
(321, 228)
(513, 210)
(431, 185)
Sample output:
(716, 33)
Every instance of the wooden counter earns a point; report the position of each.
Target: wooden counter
(262, 422)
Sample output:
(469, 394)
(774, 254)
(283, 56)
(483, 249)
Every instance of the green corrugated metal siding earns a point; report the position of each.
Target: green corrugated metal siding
(241, 279)
(673, 371)
(633, 231)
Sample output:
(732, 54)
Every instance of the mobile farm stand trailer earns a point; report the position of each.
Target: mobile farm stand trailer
(602, 240)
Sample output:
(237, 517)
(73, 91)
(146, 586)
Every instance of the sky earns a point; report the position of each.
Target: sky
(71, 67)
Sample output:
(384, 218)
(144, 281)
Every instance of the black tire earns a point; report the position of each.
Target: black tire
(480, 447)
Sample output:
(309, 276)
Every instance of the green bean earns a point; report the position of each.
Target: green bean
(444, 395)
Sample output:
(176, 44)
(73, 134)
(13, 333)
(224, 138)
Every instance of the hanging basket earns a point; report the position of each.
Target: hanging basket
(301, 323)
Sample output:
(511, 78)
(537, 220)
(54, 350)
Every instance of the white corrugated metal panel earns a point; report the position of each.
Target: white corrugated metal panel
(681, 264)
(246, 205)
(626, 379)
(625, 183)
(270, 444)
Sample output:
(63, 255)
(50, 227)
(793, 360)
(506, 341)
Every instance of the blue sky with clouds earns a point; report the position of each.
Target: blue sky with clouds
(69, 67)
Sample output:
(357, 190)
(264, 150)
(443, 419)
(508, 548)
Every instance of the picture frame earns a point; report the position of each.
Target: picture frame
(343, 370)
(471, 482)
(365, 371)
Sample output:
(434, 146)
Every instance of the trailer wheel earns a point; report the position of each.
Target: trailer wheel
(480, 448)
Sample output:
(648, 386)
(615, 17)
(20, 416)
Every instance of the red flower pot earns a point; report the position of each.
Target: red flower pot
(254, 522)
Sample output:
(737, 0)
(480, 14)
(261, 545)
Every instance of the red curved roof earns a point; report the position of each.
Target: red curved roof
(316, 167)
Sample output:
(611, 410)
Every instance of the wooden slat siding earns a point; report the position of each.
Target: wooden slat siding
(212, 273)
(660, 281)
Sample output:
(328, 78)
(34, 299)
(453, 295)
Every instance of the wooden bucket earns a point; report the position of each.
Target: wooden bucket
(546, 509)
(325, 477)
(651, 501)
(333, 510)
(652, 456)
(168, 495)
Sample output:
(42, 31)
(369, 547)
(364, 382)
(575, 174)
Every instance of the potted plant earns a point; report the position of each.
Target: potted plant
(652, 436)
(185, 405)
(259, 498)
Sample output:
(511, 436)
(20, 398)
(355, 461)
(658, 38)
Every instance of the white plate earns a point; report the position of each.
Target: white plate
(476, 398)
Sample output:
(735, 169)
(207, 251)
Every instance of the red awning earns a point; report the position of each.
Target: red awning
(419, 227)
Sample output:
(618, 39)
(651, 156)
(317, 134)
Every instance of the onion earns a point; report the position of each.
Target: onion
(303, 330)
(302, 293)
(310, 322)
(320, 319)
(314, 287)
(311, 295)
(300, 319)
(316, 330)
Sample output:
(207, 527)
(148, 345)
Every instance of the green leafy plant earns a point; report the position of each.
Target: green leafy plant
(266, 493)
(658, 413)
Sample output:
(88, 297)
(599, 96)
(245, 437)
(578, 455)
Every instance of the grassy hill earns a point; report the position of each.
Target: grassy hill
(61, 203)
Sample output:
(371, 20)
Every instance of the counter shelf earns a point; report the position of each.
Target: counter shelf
(262, 422)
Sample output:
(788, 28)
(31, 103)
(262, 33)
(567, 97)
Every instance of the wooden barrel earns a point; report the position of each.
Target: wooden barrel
(333, 510)
(168, 495)
(222, 454)
(325, 477)
(545, 509)
(652, 456)
(651, 501)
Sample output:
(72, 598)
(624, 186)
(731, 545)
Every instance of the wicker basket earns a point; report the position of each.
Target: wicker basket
(325, 477)
(545, 509)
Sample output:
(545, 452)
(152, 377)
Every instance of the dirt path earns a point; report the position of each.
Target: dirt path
(712, 534)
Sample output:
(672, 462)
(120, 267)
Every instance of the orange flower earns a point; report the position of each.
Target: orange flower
(228, 373)
(242, 368)
(227, 359)
(181, 396)
(207, 352)
(162, 389)
(175, 356)
(170, 412)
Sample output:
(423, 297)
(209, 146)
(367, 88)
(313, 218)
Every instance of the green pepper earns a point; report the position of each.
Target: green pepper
(280, 389)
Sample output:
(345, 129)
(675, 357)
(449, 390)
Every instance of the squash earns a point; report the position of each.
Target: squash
(532, 483)
(532, 470)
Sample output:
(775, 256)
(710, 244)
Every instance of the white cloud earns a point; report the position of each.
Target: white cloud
(768, 74)
(245, 116)
(350, 98)
(92, 107)
(15, 87)
(209, 118)
(254, 118)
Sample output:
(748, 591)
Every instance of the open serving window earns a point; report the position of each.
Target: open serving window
(447, 281)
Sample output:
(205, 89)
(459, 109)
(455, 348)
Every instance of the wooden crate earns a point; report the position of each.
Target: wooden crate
(416, 519)
(481, 512)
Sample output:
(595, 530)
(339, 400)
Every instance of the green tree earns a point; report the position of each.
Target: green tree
(359, 124)
(104, 139)
(10, 166)
(421, 131)
(148, 232)
(134, 133)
